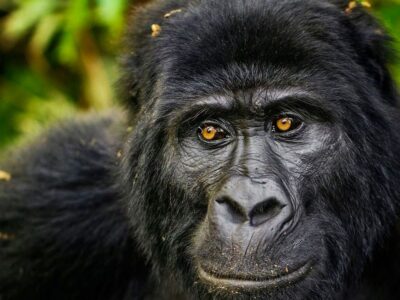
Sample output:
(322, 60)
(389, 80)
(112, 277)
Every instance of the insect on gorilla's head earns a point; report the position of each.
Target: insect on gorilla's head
(264, 162)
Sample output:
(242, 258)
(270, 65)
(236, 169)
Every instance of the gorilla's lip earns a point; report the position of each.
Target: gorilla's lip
(242, 283)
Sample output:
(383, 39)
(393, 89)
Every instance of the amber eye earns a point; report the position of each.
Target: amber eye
(285, 124)
(210, 132)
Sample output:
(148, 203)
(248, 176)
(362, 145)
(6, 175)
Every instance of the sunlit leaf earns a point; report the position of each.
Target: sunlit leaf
(77, 15)
(45, 31)
(24, 18)
(67, 52)
(110, 13)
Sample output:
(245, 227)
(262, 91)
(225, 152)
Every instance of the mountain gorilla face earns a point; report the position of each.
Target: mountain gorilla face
(267, 170)
(267, 147)
(251, 154)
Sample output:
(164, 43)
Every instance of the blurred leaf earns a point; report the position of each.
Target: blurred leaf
(96, 86)
(45, 31)
(76, 19)
(45, 112)
(389, 14)
(27, 103)
(26, 17)
(77, 15)
(67, 51)
(111, 13)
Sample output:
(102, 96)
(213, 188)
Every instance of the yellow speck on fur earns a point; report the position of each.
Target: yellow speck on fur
(155, 30)
(4, 176)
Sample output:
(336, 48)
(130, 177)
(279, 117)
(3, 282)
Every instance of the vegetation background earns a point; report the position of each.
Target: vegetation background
(59, 58)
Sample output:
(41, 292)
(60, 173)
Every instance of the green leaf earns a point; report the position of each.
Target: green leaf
(67, 52)
(26, 17)
(45, 31)
(111, 13)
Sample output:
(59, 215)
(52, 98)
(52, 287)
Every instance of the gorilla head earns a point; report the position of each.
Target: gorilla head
(264, 160)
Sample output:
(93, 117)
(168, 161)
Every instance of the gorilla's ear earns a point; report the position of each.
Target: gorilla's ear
(372, 43)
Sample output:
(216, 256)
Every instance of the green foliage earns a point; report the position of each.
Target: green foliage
(389, 14)
(57, 58)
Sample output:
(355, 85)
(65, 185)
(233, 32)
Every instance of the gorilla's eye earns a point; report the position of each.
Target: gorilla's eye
(284, 124)
(211, 132)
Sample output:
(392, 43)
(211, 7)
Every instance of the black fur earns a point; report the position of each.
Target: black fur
(104, 208)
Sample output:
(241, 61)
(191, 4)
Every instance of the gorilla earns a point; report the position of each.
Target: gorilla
(258, 157)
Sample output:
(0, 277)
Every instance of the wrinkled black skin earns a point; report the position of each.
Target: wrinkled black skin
(95, 211)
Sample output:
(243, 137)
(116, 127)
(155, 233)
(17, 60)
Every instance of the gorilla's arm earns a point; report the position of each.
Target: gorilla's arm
(63, 235)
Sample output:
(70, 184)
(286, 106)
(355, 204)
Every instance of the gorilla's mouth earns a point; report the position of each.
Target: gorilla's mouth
(239, 282)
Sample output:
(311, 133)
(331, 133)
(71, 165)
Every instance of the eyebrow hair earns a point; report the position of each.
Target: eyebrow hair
(273, 97)
(266, 103)
(215, 105)
(306, 103)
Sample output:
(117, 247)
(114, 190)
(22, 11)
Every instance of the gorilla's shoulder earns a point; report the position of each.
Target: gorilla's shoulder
(74, 153)
(60, 215)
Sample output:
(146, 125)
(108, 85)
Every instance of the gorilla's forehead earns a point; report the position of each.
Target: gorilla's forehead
(228, 40)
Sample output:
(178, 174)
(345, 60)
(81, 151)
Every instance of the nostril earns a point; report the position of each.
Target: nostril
(265, 211)
(232, 210)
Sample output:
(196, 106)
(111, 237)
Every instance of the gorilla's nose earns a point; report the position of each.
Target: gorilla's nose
(244, 201)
